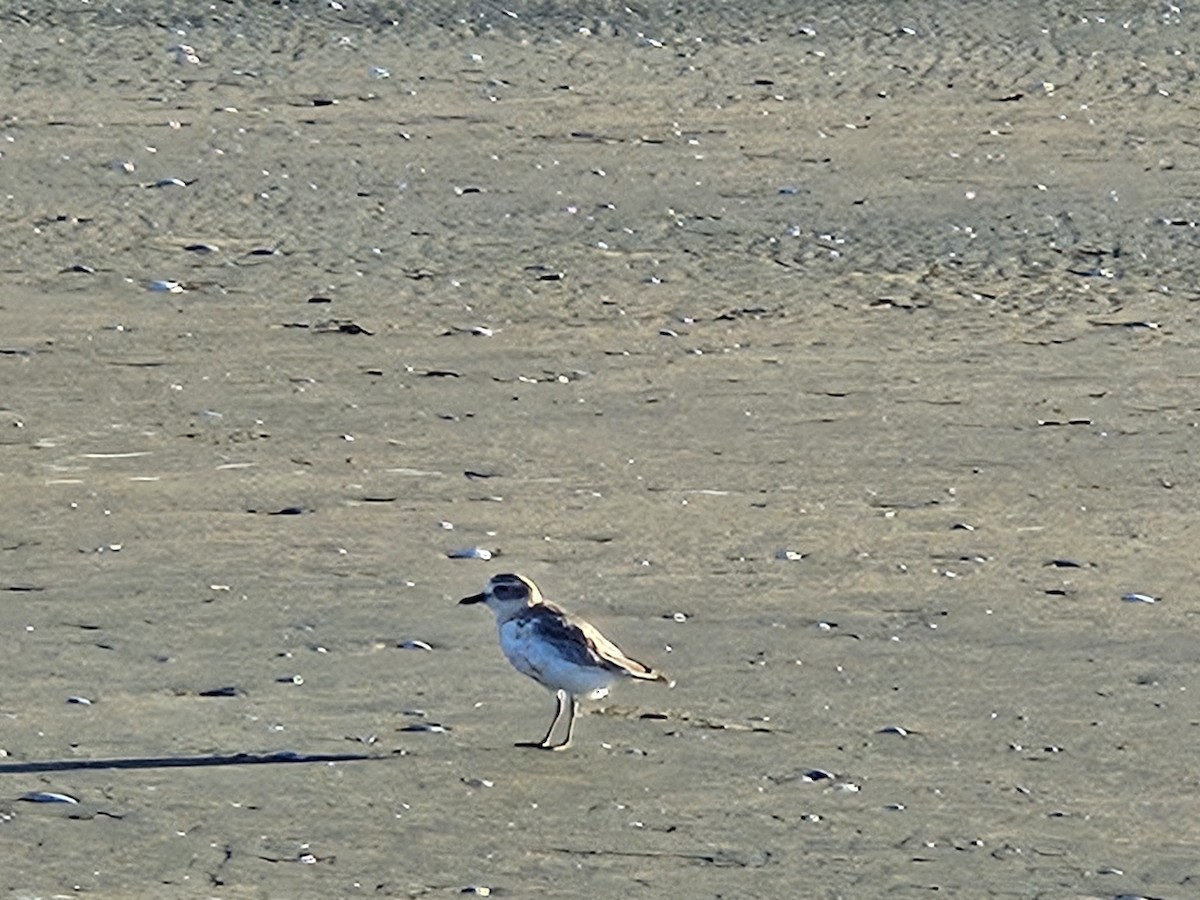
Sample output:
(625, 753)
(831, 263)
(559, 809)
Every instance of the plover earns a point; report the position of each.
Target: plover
(557, 650)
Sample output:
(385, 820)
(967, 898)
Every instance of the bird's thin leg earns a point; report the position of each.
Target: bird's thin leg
(544, 744)
(570, 725)
(561, 696)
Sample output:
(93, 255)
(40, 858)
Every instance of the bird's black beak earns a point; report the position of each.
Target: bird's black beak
(474, 598)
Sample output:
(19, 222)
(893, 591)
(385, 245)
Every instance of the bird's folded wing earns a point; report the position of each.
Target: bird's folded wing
(583, 644)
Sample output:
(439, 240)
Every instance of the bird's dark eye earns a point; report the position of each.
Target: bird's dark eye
(509, 591)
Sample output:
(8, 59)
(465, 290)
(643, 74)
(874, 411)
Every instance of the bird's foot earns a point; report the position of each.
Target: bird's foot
(541, 745)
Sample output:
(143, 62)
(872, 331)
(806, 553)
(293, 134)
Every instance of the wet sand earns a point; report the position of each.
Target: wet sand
(909, 292)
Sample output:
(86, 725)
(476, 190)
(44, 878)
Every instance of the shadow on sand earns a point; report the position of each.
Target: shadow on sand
(279, 757)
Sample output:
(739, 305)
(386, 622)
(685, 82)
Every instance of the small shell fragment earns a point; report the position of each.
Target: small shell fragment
(431, 727)
(47, 797)
(817, 775)
(78, 700)
(789, 555)
(1140, 598)
(165, 286)
(470, 553)
(228, 691)
(184, 54)
(414, 645)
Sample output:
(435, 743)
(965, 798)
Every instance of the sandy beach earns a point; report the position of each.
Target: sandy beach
(841, 364)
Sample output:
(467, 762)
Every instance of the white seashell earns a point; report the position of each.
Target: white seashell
(414, 645)
(166, 287)
(1140, 598)
(789, 555)
(470, 553)
(184, 54)
(48, 797)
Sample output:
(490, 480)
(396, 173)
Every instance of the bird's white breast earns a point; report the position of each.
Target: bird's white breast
(532, 654)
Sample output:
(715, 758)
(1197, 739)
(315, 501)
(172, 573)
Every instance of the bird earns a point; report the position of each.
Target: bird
(556, 649)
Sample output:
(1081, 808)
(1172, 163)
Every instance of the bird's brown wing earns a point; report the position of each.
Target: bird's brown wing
(587, 646)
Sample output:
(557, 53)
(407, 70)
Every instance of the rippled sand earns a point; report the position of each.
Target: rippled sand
(636, 301)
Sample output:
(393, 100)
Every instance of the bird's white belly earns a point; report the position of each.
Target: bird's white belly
(540, 660)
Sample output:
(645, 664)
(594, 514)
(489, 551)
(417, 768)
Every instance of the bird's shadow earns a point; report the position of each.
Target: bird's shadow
(280, 757)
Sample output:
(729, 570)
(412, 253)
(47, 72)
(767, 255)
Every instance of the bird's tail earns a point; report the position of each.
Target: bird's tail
(645, 673)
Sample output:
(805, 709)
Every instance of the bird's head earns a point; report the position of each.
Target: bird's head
(507, 594)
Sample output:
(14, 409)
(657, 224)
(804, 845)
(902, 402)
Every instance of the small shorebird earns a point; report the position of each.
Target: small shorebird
(555, 649)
